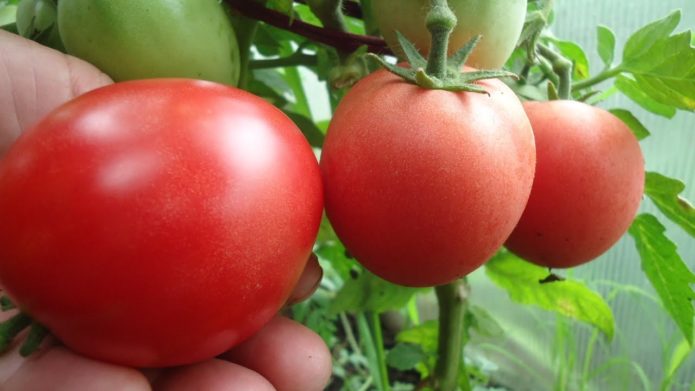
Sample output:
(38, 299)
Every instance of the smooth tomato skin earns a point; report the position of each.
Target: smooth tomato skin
(498, 21)
(136, 39)
(157, 222)
(589, 183)
(423, 186)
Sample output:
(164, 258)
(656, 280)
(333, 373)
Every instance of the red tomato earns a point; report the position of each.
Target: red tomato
(157, 222)
(588, 186)
(423, 186)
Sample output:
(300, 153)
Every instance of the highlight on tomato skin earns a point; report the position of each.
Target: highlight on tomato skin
(423, 186)
(158, 222)
(588, 185)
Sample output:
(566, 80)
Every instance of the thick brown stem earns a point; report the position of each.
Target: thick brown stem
(342, 41)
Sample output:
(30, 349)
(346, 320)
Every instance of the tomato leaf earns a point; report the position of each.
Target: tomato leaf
(284, 6)
(405, 356)
(308, 127)
(272, 41)
(606, 45)
(637, 128)
(425, 335)
(576, 54)
(644, 39)
(666, 270)
(663, 65)
(367, 292)
(665, 193)
(678, 357)
(633, 90)
(568, 297)
(484, 324)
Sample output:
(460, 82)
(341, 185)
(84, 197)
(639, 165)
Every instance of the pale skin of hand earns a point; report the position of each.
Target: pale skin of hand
(284, 355)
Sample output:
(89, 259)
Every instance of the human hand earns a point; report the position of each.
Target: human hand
(284, 355)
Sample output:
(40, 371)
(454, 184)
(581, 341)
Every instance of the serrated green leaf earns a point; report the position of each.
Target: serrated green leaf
(606, 45)
(329, 248)
(666, 270)
(530, 92)
(425, 335)
(637, 128)
(271, 41)
(367, 292)
(480, 321)
(634, 91)
(574, 53)
(642, 41)
(308, 127)
(665, 193)
(284, 6)
(405, 356)
(270, 84)
(679, 356)
(664, 67)
(568, 297)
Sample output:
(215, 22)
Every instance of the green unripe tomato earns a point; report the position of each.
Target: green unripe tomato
(498, 21)
(136, 39)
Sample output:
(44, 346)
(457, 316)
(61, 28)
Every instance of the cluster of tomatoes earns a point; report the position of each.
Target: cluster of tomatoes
(159, 222)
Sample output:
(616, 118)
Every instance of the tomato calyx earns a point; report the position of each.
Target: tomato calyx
(10, 328)
(551, 277)
(439, 71)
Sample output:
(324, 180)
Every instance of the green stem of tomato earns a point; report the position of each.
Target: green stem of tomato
(369, 348)
(601, 77)
(380, 353)
(330, 13)
(562, 67)
(453, 299)
(440, 22)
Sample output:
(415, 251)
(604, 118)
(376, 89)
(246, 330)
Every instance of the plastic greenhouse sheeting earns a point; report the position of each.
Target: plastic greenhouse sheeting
(645, 335)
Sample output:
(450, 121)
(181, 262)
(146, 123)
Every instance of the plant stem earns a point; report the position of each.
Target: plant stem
(330, 13)
(347, 328)
(452, 300)
(562, 67)
(379, 347)
(592, 81)
(440, 22)
(370, 352)
(338, 39)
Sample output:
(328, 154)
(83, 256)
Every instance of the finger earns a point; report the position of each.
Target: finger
(308, 282)
(289, 355)
(35, 79)
(212, 375)
(57, 369)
